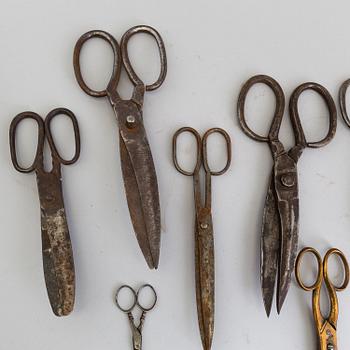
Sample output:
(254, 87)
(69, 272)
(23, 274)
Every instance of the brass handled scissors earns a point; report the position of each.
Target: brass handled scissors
(136, 330)
(326, 326)
(279, 239)
(204, 234)
(56, 244)
(138, 170)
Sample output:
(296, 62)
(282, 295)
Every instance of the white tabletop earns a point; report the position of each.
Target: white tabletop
(212, 49)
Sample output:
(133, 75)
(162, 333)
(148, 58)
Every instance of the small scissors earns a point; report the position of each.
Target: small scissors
(279, 239)
(326, 327)
(139, 174)
(204, 234)
(56, 244)
(136, 331)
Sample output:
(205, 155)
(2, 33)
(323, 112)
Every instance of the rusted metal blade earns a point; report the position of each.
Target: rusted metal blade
(269, 248)
(56, 245)
(141, 190)
(205, 276)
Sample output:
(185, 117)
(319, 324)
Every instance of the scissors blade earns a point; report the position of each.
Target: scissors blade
(141, 188)
(205, 276)
(269, 246)
(56, 245)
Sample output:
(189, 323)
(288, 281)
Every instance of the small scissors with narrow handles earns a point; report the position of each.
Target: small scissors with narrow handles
(279, 239)
(326, 327)
(204, 234)
(140, 180)
(136, 330)
(56, 244)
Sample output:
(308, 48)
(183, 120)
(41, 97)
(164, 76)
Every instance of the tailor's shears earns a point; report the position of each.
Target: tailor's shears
(136, 330)
(279, 239)
(326, 327)
(139, 174)
(56, 244)
(204, 234)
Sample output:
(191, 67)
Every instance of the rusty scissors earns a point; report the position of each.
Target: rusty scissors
(136, 330)
(326, 327)
(138, 169)
(56, 244)
(203, 232)
(279, 237)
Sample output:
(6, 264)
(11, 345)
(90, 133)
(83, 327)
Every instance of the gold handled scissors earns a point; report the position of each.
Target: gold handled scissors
(326, 326)
(140, 180)
(56, 244)
(136, 330)
(204, 234)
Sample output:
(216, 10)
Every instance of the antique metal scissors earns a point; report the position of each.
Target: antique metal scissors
(203, 232)
(326, 327)
(56, 244)
(136, 330)
(138, 170)
(279, 239)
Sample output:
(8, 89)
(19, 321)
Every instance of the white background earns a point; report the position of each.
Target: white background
(212, 48)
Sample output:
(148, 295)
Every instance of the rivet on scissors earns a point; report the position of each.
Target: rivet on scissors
(130, 121)
(204, 225)
(330, 347)
(287, 180)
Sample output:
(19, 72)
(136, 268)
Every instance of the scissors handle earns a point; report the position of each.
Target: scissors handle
(37, 162)
(278, 114)
(113, 82)
(342, 102)
(162, 56)
(71, 116)
(155, 298)
(205, 151)
(199, 151)
(134, 295)
(295, 118)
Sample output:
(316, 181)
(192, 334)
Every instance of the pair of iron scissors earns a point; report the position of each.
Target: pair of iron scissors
(138, 169)
(279, 239)
(136, 330)
(56, 244)
(326, 326)
(204, 234)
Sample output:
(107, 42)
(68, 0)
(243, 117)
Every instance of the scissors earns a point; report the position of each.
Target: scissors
(204, 234)
(326, 327)
(279, 238)
(136, 330)
(140, 180)
(56, 244)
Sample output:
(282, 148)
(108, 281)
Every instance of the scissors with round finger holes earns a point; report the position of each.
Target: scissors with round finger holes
(136, 330)
(326, 326)
(279, 239)
(56, 244)
(140, 180)
(204, 234)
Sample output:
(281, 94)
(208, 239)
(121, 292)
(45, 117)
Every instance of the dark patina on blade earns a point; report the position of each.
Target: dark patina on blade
(269, 246)
(205, 276)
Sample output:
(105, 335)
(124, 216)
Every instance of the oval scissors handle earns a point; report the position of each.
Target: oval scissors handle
(205, 151)
(342, 102)
(126, 310)
(113, 82)
(199, 151)
(295, 118)
(72, 117)
(142, 307)
(126, 60)
(38, 159)
(319, 279)
(279, 110)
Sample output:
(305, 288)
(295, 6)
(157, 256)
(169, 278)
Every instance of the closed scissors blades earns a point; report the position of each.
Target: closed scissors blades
(279, 238)
(56, 244)
(140, 180)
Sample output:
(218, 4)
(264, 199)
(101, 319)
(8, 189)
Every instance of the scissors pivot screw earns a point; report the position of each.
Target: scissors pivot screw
(204, 225)
(130, 121)
(330, 347)
(288, 180)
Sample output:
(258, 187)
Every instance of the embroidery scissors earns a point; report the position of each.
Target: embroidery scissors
(56, 244)
(279, 237)
(203, 232)
(326, 326)
(140, 180)
(136, 330)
